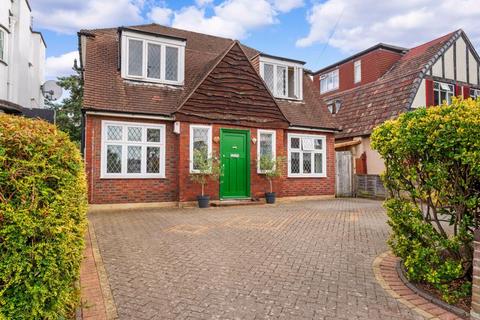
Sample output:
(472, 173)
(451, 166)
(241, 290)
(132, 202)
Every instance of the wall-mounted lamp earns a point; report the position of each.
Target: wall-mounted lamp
(254, 140)
(216, 139)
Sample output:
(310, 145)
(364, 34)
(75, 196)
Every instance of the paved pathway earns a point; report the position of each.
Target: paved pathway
(305, 260)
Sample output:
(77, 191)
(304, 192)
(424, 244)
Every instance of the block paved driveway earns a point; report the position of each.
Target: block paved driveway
(304, 260)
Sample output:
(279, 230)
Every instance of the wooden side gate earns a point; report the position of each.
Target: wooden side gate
(344, 174)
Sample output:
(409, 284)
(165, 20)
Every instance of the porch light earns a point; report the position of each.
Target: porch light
(216, 139)
(254, 140)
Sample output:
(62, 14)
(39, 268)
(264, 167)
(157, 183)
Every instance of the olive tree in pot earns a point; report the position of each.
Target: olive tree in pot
(206, 168)
(272, 168)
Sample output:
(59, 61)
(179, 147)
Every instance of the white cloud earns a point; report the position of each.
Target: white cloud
(203, 3)
(231, 18)
(69, 16)
(58, 66)
(287, 5)
(160, 15)
(400, 22)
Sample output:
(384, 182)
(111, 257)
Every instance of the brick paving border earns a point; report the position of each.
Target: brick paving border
(384, 268)
(96, 298)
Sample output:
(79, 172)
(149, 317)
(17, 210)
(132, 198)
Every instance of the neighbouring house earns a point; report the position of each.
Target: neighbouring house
(22, 62)
(154, 94)
(382, 82)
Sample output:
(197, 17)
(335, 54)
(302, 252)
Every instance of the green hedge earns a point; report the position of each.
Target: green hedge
(432, 159)
(42, 220)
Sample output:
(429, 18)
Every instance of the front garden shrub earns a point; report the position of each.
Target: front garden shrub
(432, 159)
(42, 220)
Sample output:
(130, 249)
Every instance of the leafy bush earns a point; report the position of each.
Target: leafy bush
(205, 168)
(432, 159)
(272, 168)
(42, 220)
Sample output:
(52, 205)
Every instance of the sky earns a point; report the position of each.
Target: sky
(319, 32)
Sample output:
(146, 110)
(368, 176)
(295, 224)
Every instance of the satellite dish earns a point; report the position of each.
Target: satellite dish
(51, 90)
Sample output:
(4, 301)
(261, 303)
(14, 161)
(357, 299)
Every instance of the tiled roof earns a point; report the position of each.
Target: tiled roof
(105, 90)
(365, 107)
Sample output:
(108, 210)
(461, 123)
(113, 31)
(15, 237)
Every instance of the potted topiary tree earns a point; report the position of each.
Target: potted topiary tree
(272, 168)
(205, 169)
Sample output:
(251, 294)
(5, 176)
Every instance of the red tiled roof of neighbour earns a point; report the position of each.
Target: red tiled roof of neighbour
(105, 90)
(367, 106)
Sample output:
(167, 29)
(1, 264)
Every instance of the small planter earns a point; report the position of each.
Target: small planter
(270, 197)
(203, 201)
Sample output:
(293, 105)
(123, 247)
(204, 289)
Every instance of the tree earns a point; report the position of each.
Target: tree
(272, 168)
(432, 159)
(68, 112)
(206, 168)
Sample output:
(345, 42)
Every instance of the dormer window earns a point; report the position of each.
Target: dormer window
(283, 78)
(152, 58)
(334, 106)
(329, 81)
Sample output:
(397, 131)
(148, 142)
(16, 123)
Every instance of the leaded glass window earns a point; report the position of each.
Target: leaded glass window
(200, 142)
(134, 159)
(171, 63)
(135, 57)
(114, 133)
(268, 76)
(307, 155)
(134, 134)
(133, 150)
(114, 159)
(283, 80)
(153, 159)
(153, 61)
(266, 146)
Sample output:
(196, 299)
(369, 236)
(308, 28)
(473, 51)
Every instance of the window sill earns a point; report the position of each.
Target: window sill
(288, 98)
(119, 177)
(307, 176)
(153, 81)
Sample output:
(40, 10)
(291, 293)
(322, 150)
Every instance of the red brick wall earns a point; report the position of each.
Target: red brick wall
(312, 186)
(188, 190)
(177, 185)
(374, 65)
(128, 190)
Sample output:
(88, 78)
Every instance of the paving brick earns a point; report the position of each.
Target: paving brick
(304, 260)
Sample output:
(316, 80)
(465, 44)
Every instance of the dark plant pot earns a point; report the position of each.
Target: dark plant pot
(270, 197)
(203, 201)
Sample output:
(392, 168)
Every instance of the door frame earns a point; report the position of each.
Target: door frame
(247, 151)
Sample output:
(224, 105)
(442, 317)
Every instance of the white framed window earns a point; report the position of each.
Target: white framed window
(474, 93)
(153, 59)
(266, 146)
(307, 156)
(284, 79)
(442, 92)
(132, 150)
(329, 81)
(357, 71)
(200, 139)
(3, 45)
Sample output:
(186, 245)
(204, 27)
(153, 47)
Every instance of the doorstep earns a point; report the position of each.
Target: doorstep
(236, 202)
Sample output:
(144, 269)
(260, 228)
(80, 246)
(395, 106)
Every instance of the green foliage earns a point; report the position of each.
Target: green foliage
(205, 168)
(42, 220)
(272, 168)
(432, 159)
(68, 112)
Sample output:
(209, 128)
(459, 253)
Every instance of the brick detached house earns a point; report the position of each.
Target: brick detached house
(153, 94)
(383, 81)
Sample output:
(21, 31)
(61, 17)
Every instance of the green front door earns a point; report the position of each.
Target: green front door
(235, 160)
